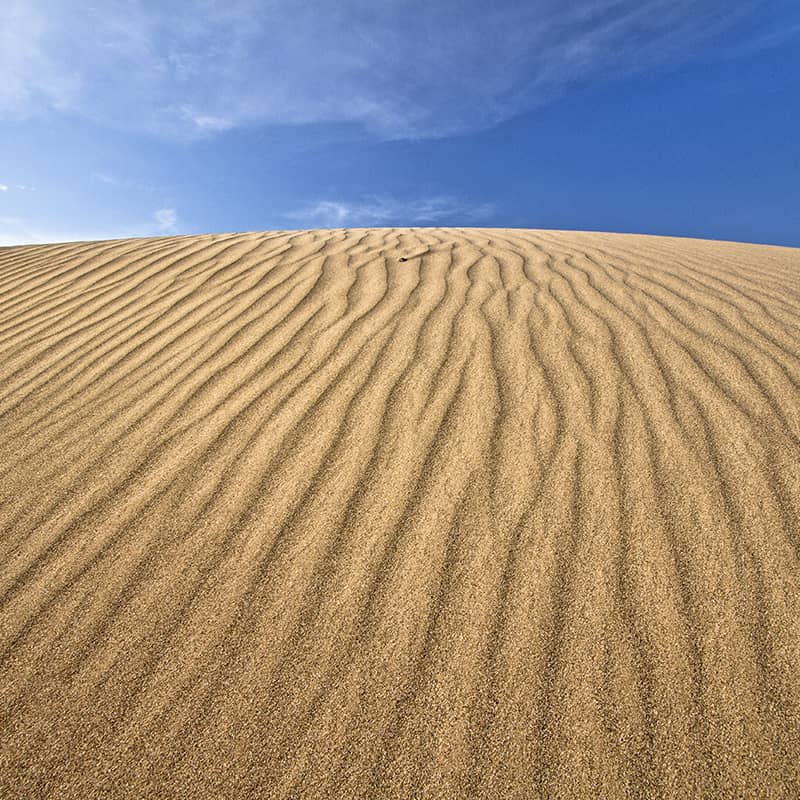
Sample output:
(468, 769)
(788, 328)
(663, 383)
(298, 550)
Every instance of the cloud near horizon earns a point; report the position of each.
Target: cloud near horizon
(166, 220)
(387, 211)
(20, 230)
(400, 69)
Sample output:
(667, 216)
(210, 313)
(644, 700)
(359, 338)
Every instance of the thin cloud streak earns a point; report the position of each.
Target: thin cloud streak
(166, 220)
(17, 230)
(406, 69)
(383, 211)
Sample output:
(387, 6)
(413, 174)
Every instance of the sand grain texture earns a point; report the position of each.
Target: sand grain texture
(285, 515)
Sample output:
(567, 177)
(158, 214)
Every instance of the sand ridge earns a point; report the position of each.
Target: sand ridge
(400, 513)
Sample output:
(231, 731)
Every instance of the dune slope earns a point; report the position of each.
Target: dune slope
(400, 513)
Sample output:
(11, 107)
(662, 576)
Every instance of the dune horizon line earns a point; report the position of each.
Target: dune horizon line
(432, 227)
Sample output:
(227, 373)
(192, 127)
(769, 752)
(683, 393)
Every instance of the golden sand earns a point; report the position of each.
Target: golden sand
(400, 513)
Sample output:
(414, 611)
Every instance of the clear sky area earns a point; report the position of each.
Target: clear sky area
(158, 118)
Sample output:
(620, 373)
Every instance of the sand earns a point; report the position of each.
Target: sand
(400, 513)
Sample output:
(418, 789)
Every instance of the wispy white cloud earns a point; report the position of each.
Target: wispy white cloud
(377, 211)
(400, 68)
(126, 183)
(106, 178)
(21, 230)
(34, 76)
(166, 220)
(16, 230)
(3, 187)
(206, 122)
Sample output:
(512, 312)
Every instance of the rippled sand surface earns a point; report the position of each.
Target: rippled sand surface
(403, 513)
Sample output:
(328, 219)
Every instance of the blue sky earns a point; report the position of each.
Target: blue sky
(152, 118)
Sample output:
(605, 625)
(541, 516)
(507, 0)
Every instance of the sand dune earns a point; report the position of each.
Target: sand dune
(400, 513)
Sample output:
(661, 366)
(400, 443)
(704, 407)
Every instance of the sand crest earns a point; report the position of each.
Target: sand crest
(400, 513)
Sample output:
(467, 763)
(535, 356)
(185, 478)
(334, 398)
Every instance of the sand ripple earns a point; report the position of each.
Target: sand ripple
(404, 513)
